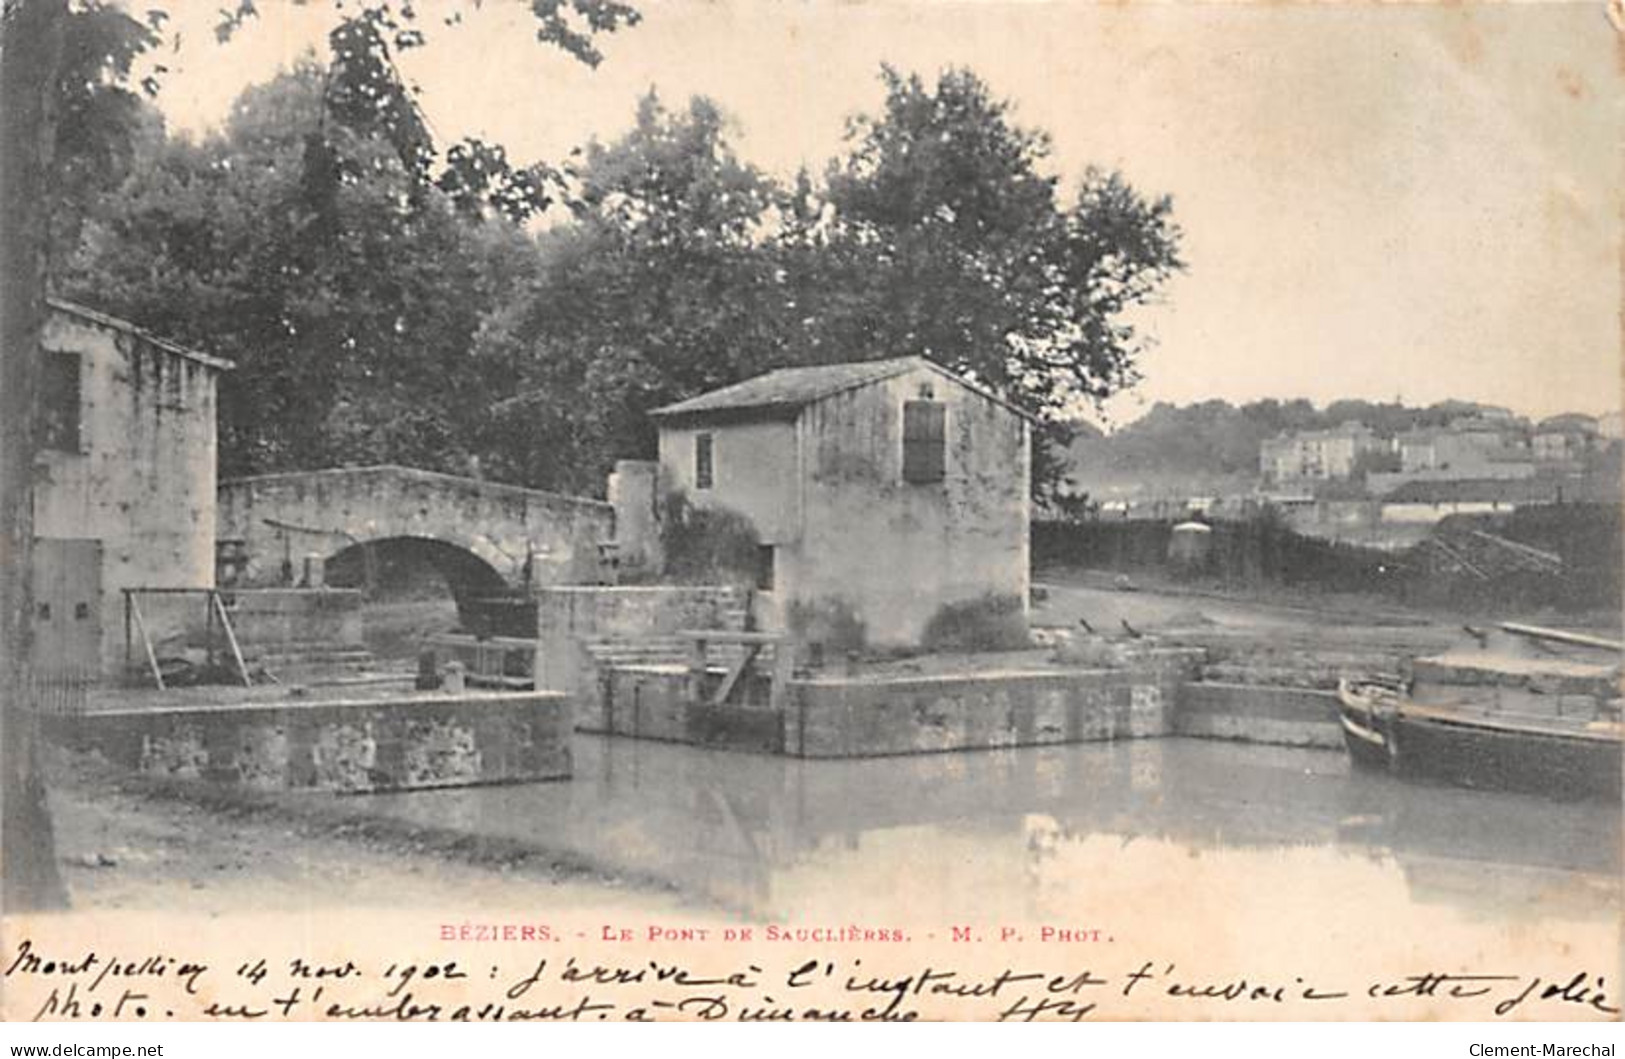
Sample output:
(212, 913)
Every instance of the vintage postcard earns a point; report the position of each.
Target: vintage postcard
(870, 511)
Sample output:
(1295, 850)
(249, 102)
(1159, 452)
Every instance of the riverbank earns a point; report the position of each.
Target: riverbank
(1155, 595)
(126, 842)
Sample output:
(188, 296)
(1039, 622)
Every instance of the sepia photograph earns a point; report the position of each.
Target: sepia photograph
(811, 511)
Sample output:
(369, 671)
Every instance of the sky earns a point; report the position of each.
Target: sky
(1410, 201)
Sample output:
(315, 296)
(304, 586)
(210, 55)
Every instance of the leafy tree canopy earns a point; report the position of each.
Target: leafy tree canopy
(386, 303)
(947, 219)
(662, 286)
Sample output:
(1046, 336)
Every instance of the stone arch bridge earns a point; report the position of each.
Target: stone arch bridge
(482, 537)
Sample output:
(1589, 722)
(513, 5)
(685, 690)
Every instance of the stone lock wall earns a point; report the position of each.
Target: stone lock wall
(652, 702)
(343, 746)
(1259, 713)
(578, 626)
(861, 718)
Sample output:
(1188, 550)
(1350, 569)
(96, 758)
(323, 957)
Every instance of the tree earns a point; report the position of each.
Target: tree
(944, 236)
(348, 296)
(41, 78)
(70, 127)
(662, 287)
(937, 233)
(31, 51)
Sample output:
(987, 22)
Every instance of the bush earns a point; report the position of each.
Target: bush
(991, 622)
(707, 545)
(831, 622)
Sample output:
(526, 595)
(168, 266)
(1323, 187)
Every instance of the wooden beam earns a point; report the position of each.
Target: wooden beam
(1575, 639)
(231, 638)
(725, 636)
(734, 674)
(146, 642)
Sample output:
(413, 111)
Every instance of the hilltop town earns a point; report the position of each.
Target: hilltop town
(1379, 475)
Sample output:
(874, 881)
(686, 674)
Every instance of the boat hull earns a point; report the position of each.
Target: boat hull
(1458, 748)
(1363, 734)
(1477, 756)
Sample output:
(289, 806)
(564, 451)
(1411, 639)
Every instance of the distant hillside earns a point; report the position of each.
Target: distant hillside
(1213, 446)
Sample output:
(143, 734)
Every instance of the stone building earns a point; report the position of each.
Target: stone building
(890, 496)
(1318, 455)
(1467, 448)
(1565, 438)
(124, 488)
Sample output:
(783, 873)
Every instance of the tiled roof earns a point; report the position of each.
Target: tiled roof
(86, 313)
(1479, 490)
(1568, 423)
(791, 388)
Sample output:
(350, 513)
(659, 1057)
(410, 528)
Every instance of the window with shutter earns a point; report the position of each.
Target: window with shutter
(703, 470)
(766, 562)
(924, 441)
(60, 404)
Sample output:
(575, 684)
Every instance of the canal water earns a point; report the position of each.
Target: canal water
(1076, 835)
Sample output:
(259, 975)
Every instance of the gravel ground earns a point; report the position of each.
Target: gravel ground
(129, 843)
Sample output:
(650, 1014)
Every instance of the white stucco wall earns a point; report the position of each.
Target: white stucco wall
(753, 467)
(900, 551)
(144, 481)
(852, 537)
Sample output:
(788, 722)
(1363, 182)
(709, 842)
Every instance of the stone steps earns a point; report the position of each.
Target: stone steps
(302, 660)
(664, 650)
(303, 648)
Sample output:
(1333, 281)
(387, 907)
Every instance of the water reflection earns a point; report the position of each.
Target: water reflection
(1041, 832)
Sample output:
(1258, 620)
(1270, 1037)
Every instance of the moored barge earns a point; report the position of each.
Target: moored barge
(1537, 711)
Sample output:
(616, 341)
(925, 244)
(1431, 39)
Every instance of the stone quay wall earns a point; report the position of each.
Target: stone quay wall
(858, 716)
(410, 742)
(1259, 713)
(864, 718)
(582, 631)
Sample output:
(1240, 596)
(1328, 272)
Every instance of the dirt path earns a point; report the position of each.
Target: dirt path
(129, 845)
(1157, 600)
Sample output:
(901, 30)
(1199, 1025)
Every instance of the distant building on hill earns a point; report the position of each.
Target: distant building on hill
(1565, 438)
(1467, 447)
(1319, 455)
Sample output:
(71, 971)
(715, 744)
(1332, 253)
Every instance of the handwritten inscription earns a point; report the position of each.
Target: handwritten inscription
(93, 985)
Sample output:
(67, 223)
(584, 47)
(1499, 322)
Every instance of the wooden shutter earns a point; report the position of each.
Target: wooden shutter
(61, 403)
(924, 441)
(704, 473)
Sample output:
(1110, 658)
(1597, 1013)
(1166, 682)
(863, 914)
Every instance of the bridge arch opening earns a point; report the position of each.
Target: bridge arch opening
(413, 586)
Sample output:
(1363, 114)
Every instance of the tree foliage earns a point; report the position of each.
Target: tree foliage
(321, 241)
(385, 301)
(937, 232)
(71, 125)
(348, 297)
(950, 240)
(661, 287)
(102, 124)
